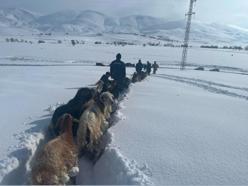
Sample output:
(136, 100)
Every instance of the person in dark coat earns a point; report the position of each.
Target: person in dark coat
(145, 67)
(106, 82)
(139, 67)
(148, 67)
(155, 67)
(118, 69)
(118, 73)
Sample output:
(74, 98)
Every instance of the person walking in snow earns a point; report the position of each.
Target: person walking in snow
(139, 67)
(118, 69)
(148, 68)
(145, 67)
(118, 73)
(155, 67)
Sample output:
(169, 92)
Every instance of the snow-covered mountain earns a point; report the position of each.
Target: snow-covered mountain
(14, 21)
(85, 22)
(208, 33)
(16, 17)
(72, 21)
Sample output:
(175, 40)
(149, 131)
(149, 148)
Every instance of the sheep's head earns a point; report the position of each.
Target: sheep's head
(107, 98)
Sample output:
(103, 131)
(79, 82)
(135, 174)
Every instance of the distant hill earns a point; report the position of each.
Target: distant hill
(92, 22)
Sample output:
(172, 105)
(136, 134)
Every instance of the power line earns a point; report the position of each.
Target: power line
(187, 31)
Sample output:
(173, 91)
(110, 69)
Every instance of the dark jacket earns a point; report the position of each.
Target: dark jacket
(118, 70)
(104, 78)
(155, 66)
(149, 67)
(139, 67)
(106, 82)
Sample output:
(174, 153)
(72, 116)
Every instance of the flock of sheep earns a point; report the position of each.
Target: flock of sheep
(77, 129)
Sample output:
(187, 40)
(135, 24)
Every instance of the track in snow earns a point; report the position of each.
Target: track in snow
(112, 168)
(210, 86)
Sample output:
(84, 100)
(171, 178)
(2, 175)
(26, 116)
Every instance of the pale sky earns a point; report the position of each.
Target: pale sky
(233, 12)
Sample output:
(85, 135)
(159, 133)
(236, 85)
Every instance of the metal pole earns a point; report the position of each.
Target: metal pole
(187, 31)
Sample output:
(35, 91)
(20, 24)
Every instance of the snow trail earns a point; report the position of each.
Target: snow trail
(15, 169)
(113, 168)
(199, 125)
(41, 61)
(192, 66)
(207, 85)
(186, 135)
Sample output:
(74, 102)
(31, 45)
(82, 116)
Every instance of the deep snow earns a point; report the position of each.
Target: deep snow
(174, 128)
(189, 134)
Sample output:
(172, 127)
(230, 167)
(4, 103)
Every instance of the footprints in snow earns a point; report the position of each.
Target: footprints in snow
(210, 86)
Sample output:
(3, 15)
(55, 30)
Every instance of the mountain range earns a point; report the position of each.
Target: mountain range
(88, 21)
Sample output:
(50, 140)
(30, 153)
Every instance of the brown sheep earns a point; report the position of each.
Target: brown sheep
(55, 162)
(93, 122)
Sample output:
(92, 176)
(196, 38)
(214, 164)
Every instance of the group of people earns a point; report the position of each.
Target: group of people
(118, 73)
(147, 67)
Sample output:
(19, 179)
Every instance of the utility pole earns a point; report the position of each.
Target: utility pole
(187, 31)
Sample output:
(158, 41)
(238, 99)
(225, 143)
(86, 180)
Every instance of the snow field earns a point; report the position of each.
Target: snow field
(31, 83)
(88, 54)
(188, 135)
(174, 128)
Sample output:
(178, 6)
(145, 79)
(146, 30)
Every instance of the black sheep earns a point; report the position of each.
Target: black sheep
(75, 107)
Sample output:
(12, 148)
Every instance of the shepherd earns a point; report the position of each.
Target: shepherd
(139, 67)
(118, 69)
(148, 67)
(118, 73)
(155, 67)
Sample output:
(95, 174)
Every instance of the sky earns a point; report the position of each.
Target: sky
(234, 12)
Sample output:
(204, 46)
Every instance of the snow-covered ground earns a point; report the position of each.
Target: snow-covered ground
(176, 127)
(187, 131)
